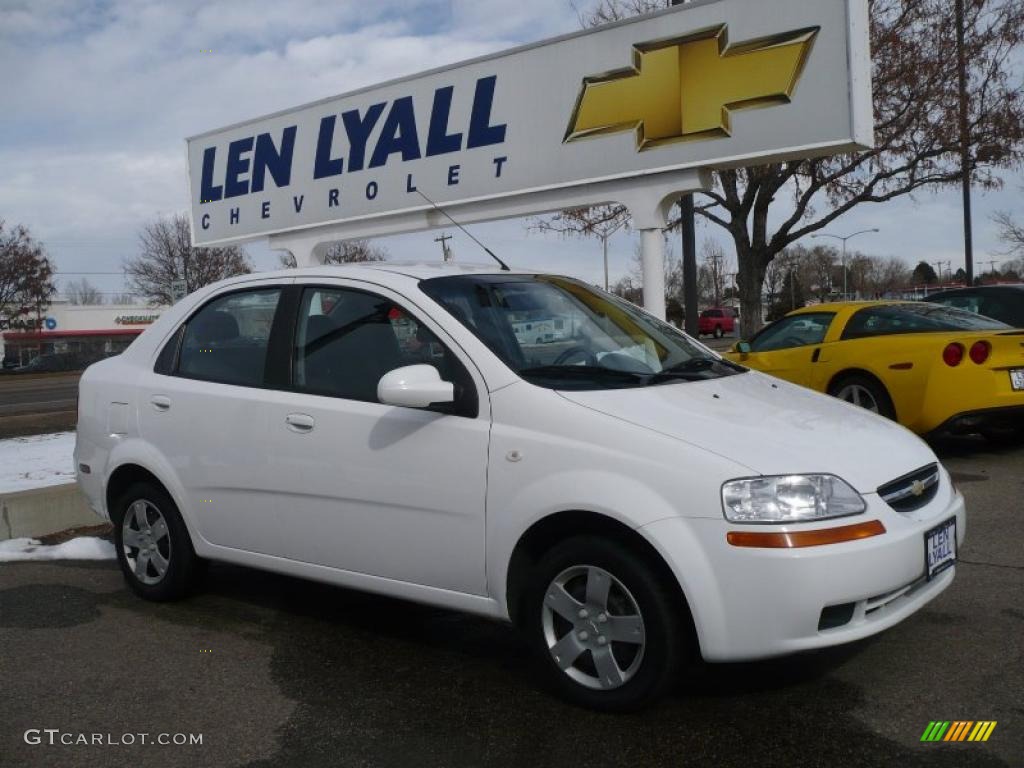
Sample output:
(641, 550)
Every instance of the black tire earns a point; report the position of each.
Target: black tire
(666, 643)
(878, 392)
(183, 567)
(719, 333)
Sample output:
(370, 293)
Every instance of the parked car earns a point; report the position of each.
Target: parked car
(628, 501)
(930, 367)
(1004, 303)
(717, 322)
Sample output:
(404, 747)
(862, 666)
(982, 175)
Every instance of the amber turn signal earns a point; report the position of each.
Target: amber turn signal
(773, 540)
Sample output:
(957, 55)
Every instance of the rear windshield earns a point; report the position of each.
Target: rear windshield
(916, 318)
(562, 334)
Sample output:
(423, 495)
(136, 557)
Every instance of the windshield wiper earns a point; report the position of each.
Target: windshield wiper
(692, 370)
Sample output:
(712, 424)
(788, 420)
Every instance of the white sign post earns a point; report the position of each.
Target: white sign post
(635, 112)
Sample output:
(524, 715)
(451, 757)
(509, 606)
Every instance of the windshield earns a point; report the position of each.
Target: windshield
(562, 334)
(916, 318)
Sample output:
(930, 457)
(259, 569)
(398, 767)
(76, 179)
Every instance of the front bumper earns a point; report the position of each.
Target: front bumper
(752, 603)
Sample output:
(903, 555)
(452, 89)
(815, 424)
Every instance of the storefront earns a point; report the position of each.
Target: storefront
(80, 334)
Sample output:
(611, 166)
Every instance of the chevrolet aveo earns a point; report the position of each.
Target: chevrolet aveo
(622, 494)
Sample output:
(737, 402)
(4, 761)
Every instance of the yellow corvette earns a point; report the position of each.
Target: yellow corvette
(930, 367)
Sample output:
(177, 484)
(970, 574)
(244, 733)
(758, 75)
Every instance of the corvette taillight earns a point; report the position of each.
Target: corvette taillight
(953, 355)
(980, 351)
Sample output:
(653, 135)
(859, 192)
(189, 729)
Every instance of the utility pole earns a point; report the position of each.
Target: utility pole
(688, 228)
(965, 144)
(991, 265)
(445, 250)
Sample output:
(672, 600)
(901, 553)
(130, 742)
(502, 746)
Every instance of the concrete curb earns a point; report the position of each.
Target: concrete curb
(40, 511)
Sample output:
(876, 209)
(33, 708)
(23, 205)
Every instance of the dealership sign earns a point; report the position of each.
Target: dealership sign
(707, 85)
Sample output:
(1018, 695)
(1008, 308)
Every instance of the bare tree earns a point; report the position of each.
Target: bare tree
(166, 256)
(26, 276)
(122, 299)
(892, 275)
(916, 131)
(1010, 232)
(345, 252)
(774, 282)
(82, 292)
(711, 273)
(818, 267)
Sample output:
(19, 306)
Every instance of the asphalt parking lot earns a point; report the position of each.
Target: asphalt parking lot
(275, 671)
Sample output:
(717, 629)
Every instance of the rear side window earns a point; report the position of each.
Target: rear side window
(922, 317)
(226, 341)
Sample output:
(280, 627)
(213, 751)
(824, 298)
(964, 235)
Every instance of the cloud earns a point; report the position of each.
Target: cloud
(100, 94)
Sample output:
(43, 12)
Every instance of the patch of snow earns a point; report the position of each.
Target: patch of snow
(36, 461)
(85, 548)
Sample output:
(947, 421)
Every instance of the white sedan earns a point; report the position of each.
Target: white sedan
(624, 495)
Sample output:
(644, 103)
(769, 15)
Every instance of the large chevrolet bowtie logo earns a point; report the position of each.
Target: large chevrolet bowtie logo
(685, 89)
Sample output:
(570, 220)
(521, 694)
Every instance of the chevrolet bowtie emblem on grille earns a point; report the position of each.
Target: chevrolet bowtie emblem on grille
(685, 89)
(917, 488)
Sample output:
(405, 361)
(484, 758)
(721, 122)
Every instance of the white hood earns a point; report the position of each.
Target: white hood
(770, 426)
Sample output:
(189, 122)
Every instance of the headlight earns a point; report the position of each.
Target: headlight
(789, 499)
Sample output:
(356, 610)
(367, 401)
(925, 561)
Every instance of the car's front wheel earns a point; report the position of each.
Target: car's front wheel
(606, 628)
(153, 545)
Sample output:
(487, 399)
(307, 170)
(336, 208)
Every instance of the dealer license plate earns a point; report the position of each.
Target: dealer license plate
(940, 547)
(1017, 379)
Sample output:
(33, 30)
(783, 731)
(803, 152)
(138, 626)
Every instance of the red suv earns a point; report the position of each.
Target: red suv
(717, 322)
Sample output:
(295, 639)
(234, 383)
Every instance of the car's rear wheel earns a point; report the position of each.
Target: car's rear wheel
(153, 545)
(864, 392)
(607, 630)
(719, 332)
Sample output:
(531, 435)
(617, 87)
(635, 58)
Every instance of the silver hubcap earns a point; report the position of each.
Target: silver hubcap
(593, 627)
(858, 395)
(146, 543)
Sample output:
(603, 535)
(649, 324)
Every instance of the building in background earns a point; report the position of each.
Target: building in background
(81, 334)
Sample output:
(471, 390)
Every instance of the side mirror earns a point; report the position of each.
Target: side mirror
(415, 386)
(743, 347)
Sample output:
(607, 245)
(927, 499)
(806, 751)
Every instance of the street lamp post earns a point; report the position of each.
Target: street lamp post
(844, 241)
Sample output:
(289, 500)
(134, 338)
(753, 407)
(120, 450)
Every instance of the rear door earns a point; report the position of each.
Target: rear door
(205, 408)
(376, 489)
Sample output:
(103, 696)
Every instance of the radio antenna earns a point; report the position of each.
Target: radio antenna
(443, 212)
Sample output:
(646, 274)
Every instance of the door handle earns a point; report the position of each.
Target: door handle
(816, 356)
(300, 422)
(161, 402)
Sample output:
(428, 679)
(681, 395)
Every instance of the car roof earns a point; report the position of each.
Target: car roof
(838, 306)
(975, 289)
(420, 270)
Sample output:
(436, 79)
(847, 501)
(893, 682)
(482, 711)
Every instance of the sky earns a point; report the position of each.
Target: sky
(99, 95)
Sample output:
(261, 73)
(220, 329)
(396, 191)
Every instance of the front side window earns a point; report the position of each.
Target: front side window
(226, 341)
(922, 317)
(346, 340)
(562, 334)
(793, 331)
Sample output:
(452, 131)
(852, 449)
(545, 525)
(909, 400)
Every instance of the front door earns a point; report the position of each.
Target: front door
(370, 488)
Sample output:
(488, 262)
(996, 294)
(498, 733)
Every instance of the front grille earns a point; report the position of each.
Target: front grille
(913, 491)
